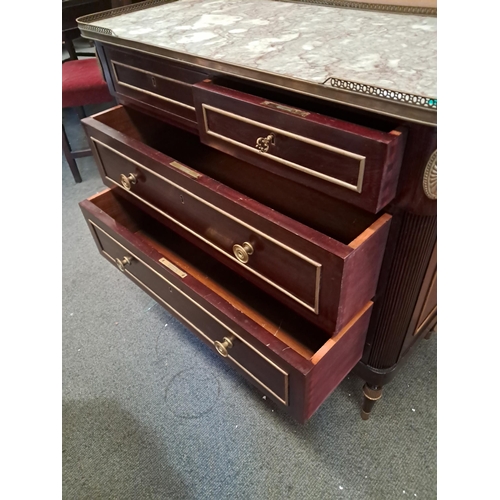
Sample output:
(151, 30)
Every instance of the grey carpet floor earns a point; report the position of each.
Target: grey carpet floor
(149, 412)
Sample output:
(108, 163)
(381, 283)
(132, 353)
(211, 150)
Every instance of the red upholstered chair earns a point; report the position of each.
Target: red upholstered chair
(82, 84)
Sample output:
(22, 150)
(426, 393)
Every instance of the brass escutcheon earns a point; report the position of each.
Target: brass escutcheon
(223, 346)
(243, 252)
(127, 181)
(121, 263)
(263, 143)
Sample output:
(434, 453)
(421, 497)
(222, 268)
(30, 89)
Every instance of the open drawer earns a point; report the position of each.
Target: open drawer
(286, 357)
(325, 279)
(352, 162)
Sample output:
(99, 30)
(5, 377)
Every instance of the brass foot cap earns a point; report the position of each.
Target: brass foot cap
(373, 394)
(365, 415)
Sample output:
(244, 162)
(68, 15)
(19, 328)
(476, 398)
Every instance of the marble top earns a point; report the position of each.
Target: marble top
(300, 41)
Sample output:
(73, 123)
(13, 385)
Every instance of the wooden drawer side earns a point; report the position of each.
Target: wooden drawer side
(335, 360)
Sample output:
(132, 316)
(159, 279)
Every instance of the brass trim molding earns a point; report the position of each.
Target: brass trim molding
(374, 103)
(333, 180)
(346, 4)
(144, 91)
(429, 182)
(317, 265)
(380, 92)
(274, 365)
(85, 21)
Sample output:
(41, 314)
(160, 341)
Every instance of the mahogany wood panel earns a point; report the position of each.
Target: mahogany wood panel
(430, 303)
(403, 270)
(164, 87)
(170, 118)
(312, 208)
(420, 145)
(342, 159)
(330, 280)
(341, 353)
(426, 307)
(267, 362)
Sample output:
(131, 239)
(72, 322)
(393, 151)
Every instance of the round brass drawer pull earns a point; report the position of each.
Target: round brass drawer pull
(127, 181)
(121, 263)
(243, 252)
(223, 346)
(263, 143)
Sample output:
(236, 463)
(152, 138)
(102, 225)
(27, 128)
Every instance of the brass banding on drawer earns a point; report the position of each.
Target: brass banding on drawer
(144, 91)
(316, 271)
(231, 331)
(161, 87)
(358, 163)
(358, 158)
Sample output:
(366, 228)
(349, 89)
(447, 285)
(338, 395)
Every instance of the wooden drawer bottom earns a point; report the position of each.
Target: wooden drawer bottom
(289, 359)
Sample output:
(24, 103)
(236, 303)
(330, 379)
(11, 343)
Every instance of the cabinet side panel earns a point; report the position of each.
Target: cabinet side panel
(404, 271)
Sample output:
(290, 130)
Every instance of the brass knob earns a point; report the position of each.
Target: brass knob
(263, 143)
(127, 181)
(121, 263)
(243, 252)
(223, 346)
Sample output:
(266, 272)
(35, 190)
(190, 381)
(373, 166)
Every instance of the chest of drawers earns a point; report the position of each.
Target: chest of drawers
(292, 233)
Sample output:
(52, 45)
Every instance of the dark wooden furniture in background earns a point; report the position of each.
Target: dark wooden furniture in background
(294, 235)
(73, 9)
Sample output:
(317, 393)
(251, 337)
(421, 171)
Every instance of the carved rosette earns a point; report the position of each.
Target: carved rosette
(431, 177)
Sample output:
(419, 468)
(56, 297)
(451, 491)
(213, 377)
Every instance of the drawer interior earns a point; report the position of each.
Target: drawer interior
(332, 217)
(297, 333)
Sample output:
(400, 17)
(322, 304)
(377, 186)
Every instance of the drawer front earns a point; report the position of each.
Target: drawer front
(330, 281)
(154, 83)
(347, 161)
(166, 288)
(292, 361)
(212, 222)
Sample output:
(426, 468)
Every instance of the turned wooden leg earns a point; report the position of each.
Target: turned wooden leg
(371, 394)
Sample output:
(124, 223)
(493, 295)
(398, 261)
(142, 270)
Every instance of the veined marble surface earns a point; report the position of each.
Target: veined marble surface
(306, 42)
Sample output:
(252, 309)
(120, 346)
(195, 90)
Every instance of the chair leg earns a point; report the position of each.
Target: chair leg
(81, 112)
(69, 158)
(68, 44)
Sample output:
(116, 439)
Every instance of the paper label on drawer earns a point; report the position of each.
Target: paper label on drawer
(173, 267)
(186, 170)
(287, 109)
